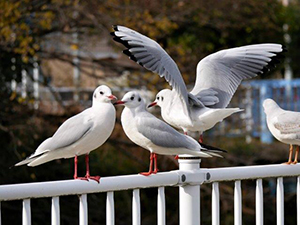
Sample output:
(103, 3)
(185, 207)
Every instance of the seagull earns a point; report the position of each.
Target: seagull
(80, 134)
(218, 77)
(151, 133)
(284, 126)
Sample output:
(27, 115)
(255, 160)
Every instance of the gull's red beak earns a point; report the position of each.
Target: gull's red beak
(112, 97)
(152, 104)
(119, 102)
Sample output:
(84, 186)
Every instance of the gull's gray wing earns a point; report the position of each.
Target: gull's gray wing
(153, 57)
(72, 130)
(287, 122)
(162, 134)
(223, 71)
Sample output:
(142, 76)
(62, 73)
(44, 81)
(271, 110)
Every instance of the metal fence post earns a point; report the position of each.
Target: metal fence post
(189, 195)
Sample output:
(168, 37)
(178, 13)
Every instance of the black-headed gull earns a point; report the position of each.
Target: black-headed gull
(80, 134)
(218, 77)
(147, 131)
(284, 126)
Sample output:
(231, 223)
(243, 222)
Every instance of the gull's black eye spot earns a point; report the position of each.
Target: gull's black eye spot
(101, 92)
(132, 97)
(140, 99)
(157, 98)
(162, 98)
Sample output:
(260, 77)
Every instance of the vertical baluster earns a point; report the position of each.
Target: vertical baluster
(110, 209)
(237, 203)
(298, 201)
(136, 207)
(215, 204)
(259, 202)
(55, 211)
(280, 201)
(83, 211)
(26, 212)
(161, 206)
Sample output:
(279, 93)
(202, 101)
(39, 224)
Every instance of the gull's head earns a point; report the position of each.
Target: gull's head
(103, 94)
(162, 98)
(131, 99)
(269, 105)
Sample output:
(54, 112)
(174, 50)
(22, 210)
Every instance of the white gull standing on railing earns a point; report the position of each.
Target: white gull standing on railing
(80, 134)
(284, 126)
(218, 77)
(153, 134)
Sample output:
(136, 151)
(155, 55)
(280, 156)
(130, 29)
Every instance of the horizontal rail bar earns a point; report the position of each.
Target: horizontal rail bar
(118, 183)
(78, 187)
(250, 172)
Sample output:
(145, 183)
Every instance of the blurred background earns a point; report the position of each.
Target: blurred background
(54, 53)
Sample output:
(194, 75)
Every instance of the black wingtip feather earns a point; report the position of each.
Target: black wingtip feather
(212, 149)
(127, 52)
(125, 43)
(115, 27)
(275, 60)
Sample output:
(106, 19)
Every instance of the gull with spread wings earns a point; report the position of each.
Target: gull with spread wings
(218, 77)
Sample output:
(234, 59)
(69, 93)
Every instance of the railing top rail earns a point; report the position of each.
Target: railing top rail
(77, 187)
(250, 172)
(126, 182)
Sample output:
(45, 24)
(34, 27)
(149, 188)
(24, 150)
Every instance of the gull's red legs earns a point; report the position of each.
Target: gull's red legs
(152, 156)
(155, 164)
(75, 170)
(87, 175)
(201, 138)
(290, 156)
(296, 155)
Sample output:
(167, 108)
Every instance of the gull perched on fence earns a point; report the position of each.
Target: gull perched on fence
(218, 77)
(80, 134)
(284, 126)
(153, 134)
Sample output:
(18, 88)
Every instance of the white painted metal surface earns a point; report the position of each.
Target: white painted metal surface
(83, 210)
(110, 208)
(298, 200)
(26, 212)
(136, 207)
(237, 203)
(189, 177)
(78, 187)
(259, 203)
(251, 172)
(189, 195)
(280, 201)
(215, 204)
(161, 206)
(55, 211)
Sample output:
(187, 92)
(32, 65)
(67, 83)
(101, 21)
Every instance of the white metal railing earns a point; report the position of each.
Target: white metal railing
(189, 178)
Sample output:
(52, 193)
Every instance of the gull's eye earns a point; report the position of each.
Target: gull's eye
(157, 98)
(101, 92)
(132, 97)
(162, 98)
(140, 99)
